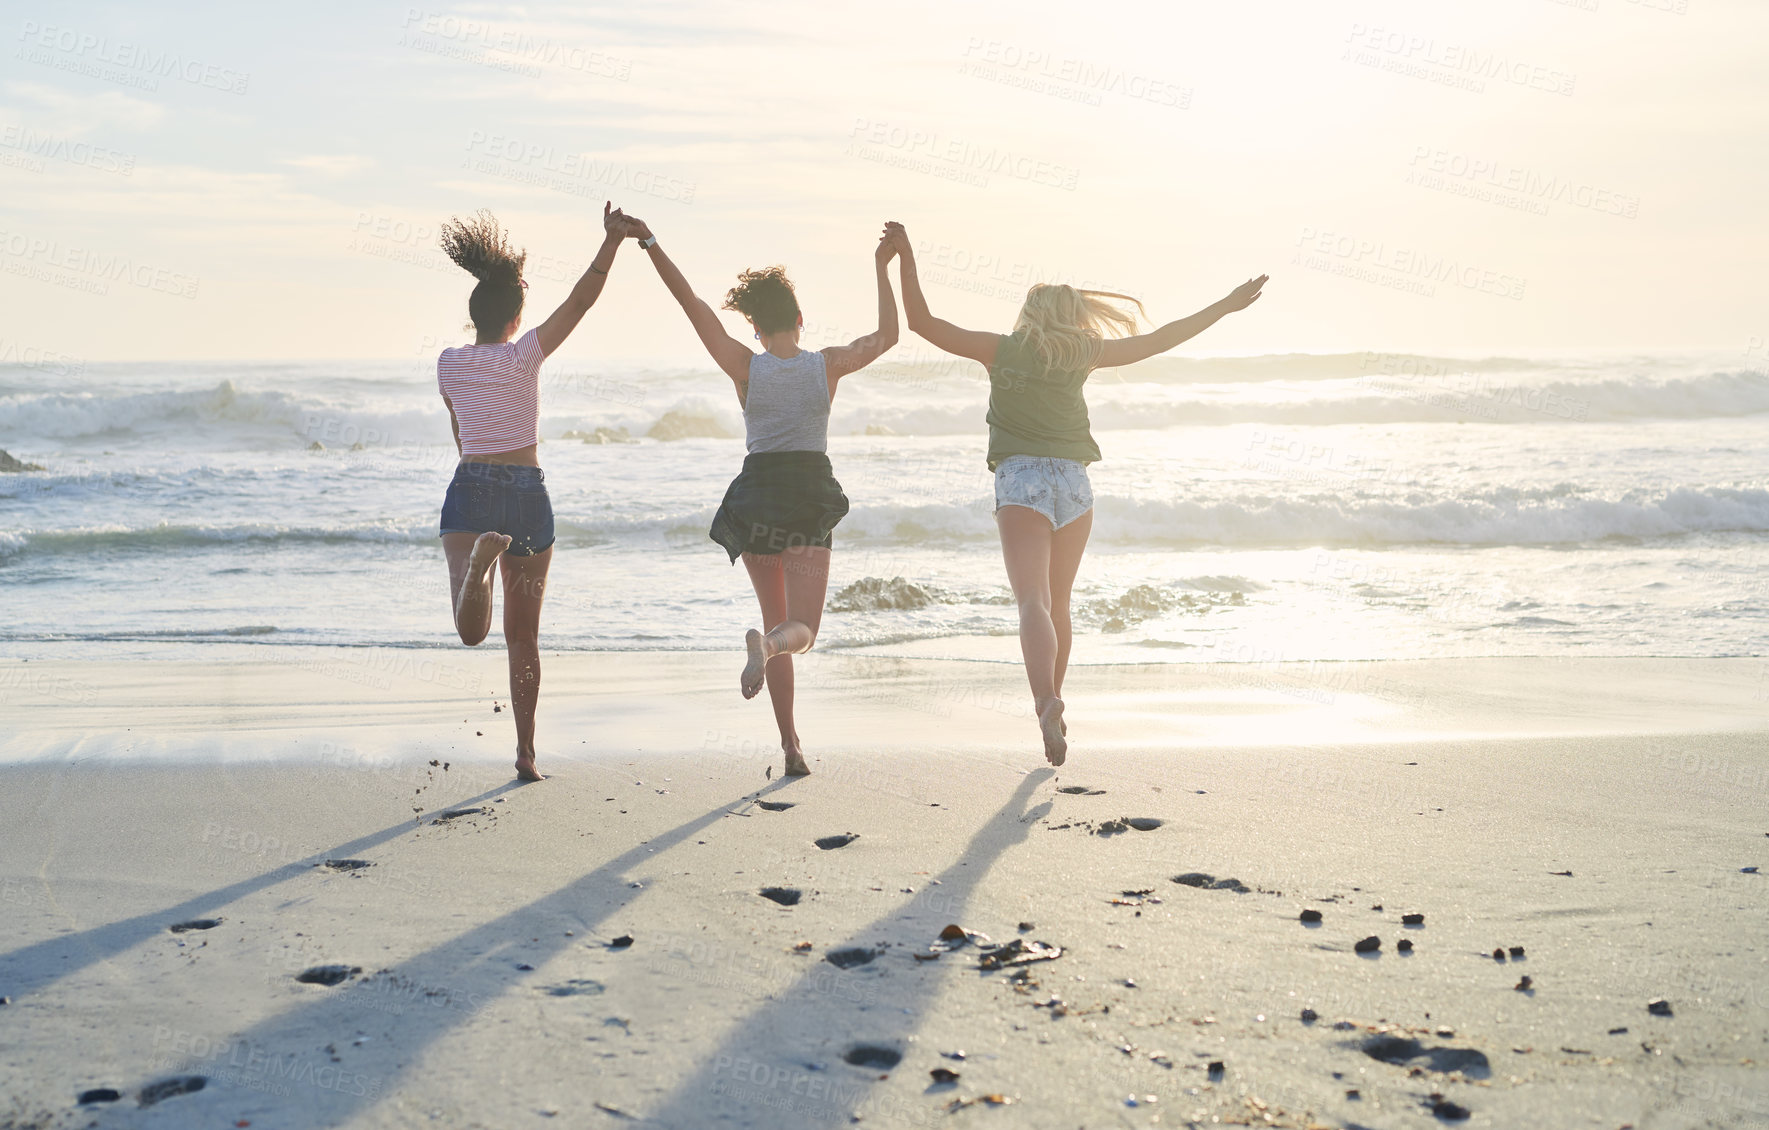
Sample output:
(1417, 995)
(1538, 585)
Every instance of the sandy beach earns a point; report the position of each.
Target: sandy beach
(184, 841)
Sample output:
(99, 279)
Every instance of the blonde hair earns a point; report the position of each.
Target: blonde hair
(1064, 325)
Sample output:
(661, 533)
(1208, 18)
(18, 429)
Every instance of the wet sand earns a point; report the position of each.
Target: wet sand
(314, 886)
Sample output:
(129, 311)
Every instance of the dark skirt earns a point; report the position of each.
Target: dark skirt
(782, 500)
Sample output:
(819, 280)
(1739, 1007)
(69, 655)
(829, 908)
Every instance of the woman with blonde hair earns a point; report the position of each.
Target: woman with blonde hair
(1040, 445)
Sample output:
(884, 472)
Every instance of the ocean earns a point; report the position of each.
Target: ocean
(1250, 509)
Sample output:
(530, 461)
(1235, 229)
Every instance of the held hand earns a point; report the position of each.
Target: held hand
(887, 249)
(1246, 294)
(899, 238)
(637, 228)
(613, 221)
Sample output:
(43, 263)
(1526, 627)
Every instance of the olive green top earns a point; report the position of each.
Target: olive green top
(1035, 410)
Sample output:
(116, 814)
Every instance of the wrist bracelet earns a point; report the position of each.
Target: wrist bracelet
(597, 269)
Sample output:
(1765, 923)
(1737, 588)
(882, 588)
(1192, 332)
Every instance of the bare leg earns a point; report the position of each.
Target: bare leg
(1026, 539)
(790, 587)
(470, 557)
(525, 586)
(1066, 547)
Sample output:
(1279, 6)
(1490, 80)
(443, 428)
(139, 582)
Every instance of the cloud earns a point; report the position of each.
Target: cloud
(78, 113)
(330, 164)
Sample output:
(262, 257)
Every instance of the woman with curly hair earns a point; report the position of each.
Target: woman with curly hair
(779, 513)
(496, 509)
(1040, 444)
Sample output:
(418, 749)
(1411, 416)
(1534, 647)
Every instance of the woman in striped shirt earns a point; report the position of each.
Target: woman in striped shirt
(497, 509)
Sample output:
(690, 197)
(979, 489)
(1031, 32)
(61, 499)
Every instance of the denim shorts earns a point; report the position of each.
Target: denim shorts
(497, 498)
(1056, 488)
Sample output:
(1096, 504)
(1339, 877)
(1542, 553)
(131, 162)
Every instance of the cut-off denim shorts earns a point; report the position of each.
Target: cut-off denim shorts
(500, 498)
(1056, 488)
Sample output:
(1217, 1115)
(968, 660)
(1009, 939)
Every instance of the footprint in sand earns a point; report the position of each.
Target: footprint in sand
(1411, 1053)
(576, 987)
(785, 896)
(328, 974)
(458, 813)
(99, 1095)
(347, 864)
(775, 805)
(872, 1055)
(851, 957)
(167, 1088)
(194, 924)
(1205, 882)
(830, 843)
(1081, 790)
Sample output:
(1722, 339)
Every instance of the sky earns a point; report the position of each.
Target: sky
(209, 182)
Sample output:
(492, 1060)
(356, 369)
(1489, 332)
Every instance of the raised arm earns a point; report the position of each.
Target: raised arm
(840, 360)
(1129, 350)
(553, 332)
(731, 355)
(977, 345)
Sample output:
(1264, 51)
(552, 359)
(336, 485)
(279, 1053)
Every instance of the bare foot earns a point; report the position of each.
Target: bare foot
(525, 769)
(795, 764)
(487, 549)
(1050, 720)
(758, 663)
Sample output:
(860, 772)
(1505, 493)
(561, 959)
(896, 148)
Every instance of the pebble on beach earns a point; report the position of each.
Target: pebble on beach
(1368, 945)
(1412, 920)
(1659, 1006)
(1310, 916)
(1405, 945)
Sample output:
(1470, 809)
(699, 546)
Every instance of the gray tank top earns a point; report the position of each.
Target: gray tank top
(787, 405)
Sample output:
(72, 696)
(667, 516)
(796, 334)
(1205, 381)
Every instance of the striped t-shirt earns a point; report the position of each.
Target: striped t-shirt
(496, 391)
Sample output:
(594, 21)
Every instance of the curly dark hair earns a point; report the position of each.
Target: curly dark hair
(766, 298)
(482, 249)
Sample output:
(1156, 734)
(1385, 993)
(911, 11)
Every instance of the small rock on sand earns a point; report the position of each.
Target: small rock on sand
(1412, 920)
(1368, 945)
(1309, 916)
(1405, 945)
(1659, 1006)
